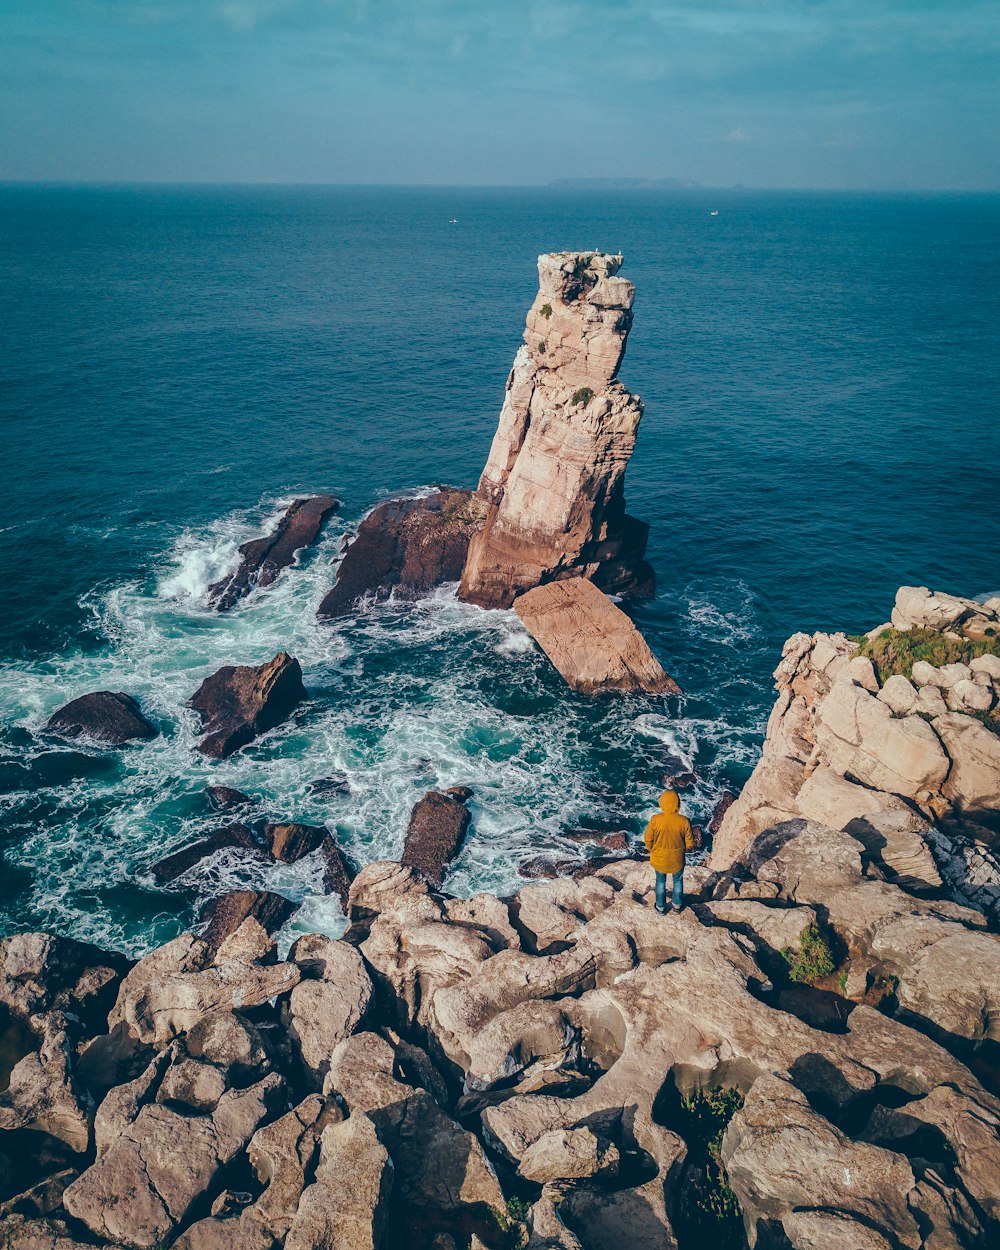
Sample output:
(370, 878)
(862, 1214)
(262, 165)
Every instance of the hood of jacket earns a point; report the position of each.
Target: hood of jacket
(669, 802)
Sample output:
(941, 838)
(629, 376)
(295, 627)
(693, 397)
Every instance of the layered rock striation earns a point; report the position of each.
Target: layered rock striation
(554, 480)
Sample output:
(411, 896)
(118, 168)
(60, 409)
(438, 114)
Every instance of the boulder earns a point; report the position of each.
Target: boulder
(590, 641)
(438, 823)
(568, 1154)
(898, 695)
(920, 608)
(282, 1155)
(406, 547)
(41, 1093)
(20, 1232)
(222, 916)
(345, 1207)
(226, 799)
(262, 559)
(783, 1160)
(103, 716)
(289, 843)
(974, 780)
(233, 837)
(238, 703)
(554, 480)
(861, 738)
(320, 1013)
(145, 1184)
(178, 985)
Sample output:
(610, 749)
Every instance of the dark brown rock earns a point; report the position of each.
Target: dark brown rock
(223, 916)
(264, 558)
(239, 702)
(290, 842)
(680, 781)
(406, 546)
(437, 826)
(237, 837)
(611, 842)
(337, 872)
(723, 806)
(103, 716)
(226, 799)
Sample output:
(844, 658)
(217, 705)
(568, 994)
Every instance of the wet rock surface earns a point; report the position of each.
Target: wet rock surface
(262, 559)
(438, 823)
(102, 717)
(238, 703)
(233, 837)
(405, 547)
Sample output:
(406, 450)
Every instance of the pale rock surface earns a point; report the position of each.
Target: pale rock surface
(321, 1013)
(969, 696)
(974, 779)
(345, 1207)
(898, 694)
(590, 641)
(554, 480)
(568, 1154)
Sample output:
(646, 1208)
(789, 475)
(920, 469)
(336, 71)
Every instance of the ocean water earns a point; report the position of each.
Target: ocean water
(820, 377)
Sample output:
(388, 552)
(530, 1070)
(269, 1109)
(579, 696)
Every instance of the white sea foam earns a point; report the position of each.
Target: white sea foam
(407, 697)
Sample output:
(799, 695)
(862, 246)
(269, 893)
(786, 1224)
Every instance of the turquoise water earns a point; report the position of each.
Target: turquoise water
(820, 378)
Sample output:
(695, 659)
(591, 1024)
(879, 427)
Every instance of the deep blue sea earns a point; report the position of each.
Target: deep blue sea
(820, 378)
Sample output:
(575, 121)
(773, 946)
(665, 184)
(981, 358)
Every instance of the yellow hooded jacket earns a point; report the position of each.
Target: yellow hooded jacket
(668, 835)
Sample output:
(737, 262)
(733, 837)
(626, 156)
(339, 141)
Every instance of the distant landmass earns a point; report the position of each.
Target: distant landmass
(624, 184)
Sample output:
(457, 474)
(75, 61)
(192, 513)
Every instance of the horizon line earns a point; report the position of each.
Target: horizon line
(556, 185)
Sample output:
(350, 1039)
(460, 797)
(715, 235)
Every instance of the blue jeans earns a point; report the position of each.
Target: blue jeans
(676, 894)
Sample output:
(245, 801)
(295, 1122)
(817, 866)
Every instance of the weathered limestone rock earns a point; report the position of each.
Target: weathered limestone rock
(438, 823)
(178, 985)
(406, 547)
(568, 1154)
(18, 1232)
(345, 1207)
(41, 973)
(918, 607)
(974, 779)
(41, 1093)
(103, 716)
(782, 1158)
(233, 837)
(591, 642)
(145, 1183)
(321, 1013)
(262, 559)
(554, 478)
(238, 703)
(282, 1155)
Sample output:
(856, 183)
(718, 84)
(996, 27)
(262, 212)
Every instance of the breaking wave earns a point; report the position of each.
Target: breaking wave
(403, 698)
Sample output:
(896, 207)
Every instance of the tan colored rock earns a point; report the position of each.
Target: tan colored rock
(930, 702)
(916, 606)
(192, 1083)
(345, 1207)
(282, 1155)
(319, 1014)
(898, 694)
(970, 696)
(568, 1154)
(944, 677)
(974, 779)
(781, 1157)
(590, 641)
(41, 1093)
(173, 988)
(554, 478)
(859, 736)
(18, 1232)
(829, 798)
(146, 1182)
(988, 664)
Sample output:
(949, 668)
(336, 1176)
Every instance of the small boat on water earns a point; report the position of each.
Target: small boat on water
(715, 212)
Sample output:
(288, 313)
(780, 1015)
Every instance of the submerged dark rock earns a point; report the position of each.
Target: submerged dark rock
(103, 716)
(226, 799)
(222, 916)
(236, 837)
(264, 558)
(438, 824)
(408, 546)
(289, 843)
(240, 702)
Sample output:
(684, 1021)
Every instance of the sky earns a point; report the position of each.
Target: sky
(865, 94)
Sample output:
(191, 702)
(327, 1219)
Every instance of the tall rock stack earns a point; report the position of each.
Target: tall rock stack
(554, 481)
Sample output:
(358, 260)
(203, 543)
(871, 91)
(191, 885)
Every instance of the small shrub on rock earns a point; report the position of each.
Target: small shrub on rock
(897, 650)
(713, 1210)
(546, 310)
(583, 396)
(813, 959)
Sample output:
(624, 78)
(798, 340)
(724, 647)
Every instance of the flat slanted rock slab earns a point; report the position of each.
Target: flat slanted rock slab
(437, 826)
(590, 641)
(264, 558)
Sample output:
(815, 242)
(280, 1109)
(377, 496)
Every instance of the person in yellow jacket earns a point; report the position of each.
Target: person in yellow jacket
(668, 837)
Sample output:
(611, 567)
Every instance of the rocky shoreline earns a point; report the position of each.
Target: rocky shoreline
(807, 1056)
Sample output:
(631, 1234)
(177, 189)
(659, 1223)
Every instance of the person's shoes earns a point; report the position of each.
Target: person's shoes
(662, 910)
(679, 908)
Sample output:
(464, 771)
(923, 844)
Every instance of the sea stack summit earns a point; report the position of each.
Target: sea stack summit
(554, 480)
